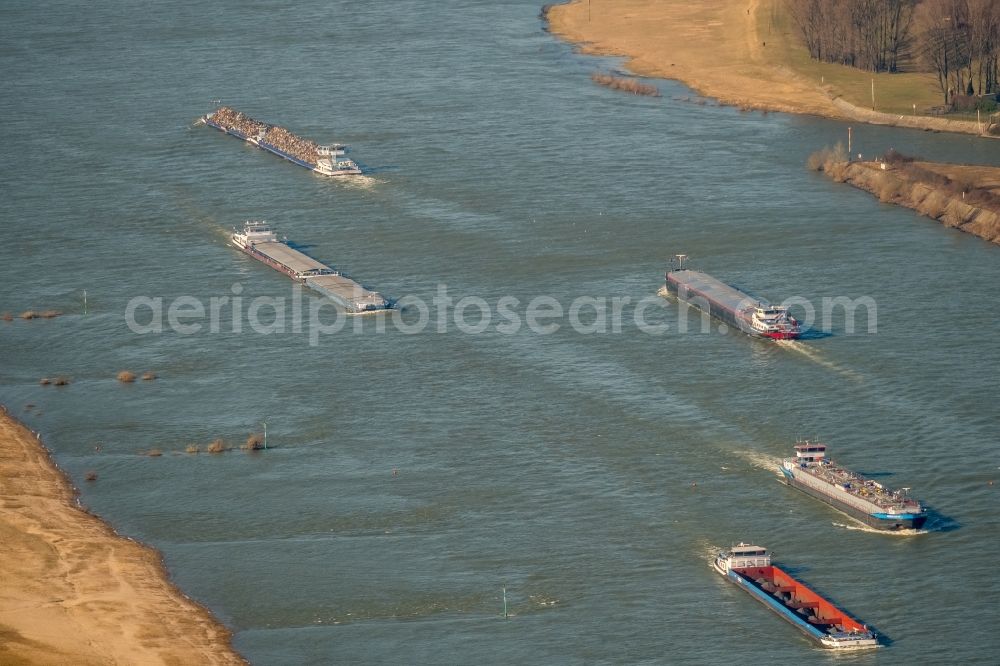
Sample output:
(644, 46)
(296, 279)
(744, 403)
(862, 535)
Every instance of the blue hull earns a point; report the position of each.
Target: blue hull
(775, 605)
(880, 521)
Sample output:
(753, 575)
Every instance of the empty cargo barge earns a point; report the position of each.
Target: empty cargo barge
(753, 316)
(260, 242)
(279, 141)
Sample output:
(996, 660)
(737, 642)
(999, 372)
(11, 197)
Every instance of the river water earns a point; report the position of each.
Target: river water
(411, 477)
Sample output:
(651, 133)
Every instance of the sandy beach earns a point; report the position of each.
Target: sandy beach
(736, 51)
(74, 592)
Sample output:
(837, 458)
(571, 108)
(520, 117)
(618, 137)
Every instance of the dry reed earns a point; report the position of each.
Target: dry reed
(634, 86)
(217, 446)
(126, 376)
(90, 476)
(61, 381)
(154, 453)
(50, 314)
(148, 376)
(29, 314)
(7, 316)
(888, 187)
(44, 381)
(254, 442)
(192, 448)
(831, 160)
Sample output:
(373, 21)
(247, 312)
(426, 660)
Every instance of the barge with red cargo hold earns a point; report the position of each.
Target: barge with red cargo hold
(750, 568)
(753, 316)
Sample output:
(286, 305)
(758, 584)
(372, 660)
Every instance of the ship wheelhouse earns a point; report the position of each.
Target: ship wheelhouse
(254, 232)
(743, 556)
(772, 319)
(810, 453)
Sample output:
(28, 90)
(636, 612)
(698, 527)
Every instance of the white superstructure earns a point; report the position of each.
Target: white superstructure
(253, 232)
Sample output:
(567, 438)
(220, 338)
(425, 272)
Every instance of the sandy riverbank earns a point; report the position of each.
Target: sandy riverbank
(728, 49)
(74, 592)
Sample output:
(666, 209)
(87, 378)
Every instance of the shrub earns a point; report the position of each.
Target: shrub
(126, 376)
(826, 159)
(961, 185)
(839, 153)
(893, 156)
(818, 159)
(888, 187)
(986, 105)
(633, 86)
(90, 476)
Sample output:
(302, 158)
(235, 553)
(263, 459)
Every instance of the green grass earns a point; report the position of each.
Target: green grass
(894, 92)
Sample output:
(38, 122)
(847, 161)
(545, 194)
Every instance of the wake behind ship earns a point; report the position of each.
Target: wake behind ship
(753, 316)
(279, 141)
(750, 568)
(863, 499)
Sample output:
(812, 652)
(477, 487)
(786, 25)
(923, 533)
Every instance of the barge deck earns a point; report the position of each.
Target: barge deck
(260, 242)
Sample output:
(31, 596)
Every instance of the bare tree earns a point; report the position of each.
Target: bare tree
(983, 33)
(869, 34)
(934, 25)
(958, 40)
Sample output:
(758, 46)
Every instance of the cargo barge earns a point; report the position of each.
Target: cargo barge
(750, 568)
(862, 499)
(260, 242)
(753, 316)
(279, 141)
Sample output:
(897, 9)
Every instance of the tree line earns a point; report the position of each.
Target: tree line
(958, 40)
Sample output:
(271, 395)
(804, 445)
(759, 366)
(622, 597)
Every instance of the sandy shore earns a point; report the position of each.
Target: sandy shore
(74, 592)
(724, 49)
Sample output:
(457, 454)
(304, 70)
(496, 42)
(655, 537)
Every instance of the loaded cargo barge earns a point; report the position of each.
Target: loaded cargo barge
(279, 141)
(750, 568)
(260, 242)
(865, 500)
(753, 316)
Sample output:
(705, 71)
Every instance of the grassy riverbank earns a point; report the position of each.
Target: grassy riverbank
(745, 53)
(963, 197)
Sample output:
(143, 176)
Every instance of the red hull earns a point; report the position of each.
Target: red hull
(783, 335)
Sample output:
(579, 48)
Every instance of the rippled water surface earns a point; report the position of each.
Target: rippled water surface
(592, 475)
